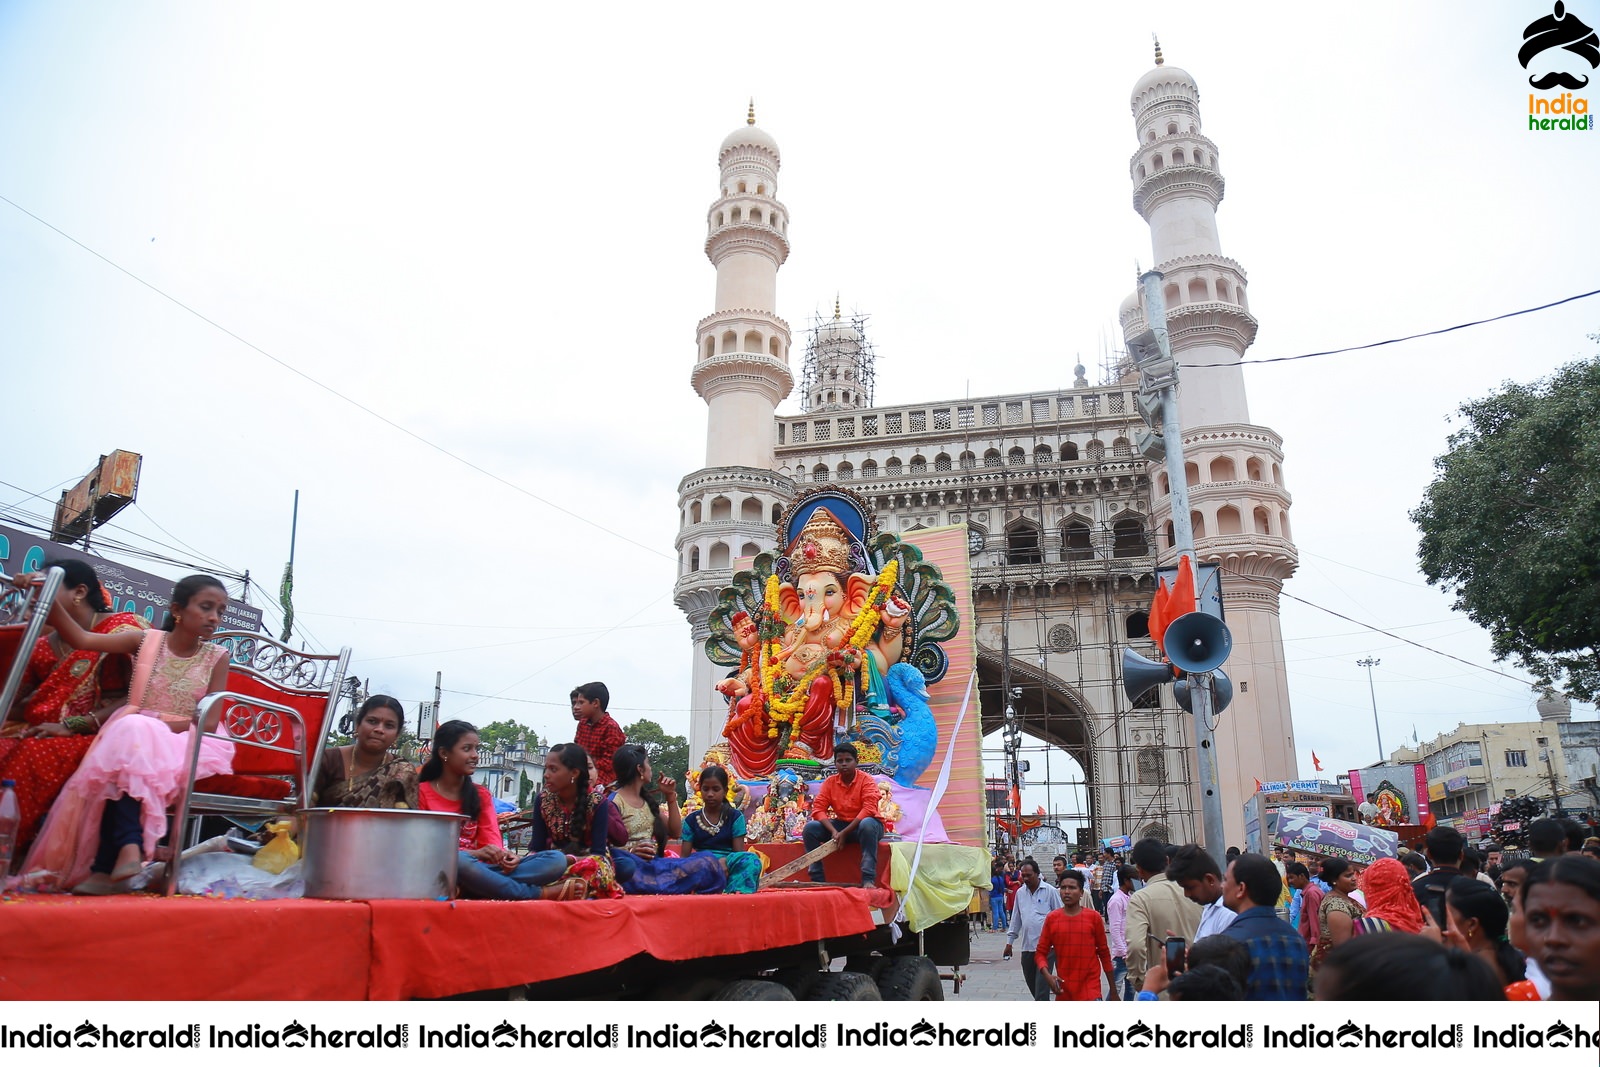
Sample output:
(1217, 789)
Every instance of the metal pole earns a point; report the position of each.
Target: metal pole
(1370, 663)
(1201, 701)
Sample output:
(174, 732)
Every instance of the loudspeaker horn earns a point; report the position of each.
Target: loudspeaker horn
(1221, 691)
(1140, 675)
(1197, 642)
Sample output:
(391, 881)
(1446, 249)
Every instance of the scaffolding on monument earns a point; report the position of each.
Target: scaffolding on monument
(1071, 597)
(840, 364)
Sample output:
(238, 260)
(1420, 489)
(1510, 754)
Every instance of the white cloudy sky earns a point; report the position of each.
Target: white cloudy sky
(487, 228)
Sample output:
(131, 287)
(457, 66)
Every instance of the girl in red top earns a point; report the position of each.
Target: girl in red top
(487, 869)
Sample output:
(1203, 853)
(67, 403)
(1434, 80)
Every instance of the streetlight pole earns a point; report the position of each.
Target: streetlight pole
(1369, 663)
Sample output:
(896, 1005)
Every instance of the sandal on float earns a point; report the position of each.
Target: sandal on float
(566, 889)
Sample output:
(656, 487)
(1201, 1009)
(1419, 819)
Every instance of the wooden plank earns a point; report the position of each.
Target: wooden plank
(827, 848)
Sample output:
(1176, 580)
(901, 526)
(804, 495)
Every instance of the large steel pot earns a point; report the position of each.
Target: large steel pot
(380, 853)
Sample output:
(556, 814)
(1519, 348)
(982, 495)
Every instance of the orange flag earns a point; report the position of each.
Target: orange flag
(1042, 811)
(1315, 762)
(1181, 600)
(1258, 785)
(1158, 613)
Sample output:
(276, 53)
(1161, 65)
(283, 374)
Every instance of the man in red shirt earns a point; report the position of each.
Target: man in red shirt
(598, 733)
(846, 807)
(1077, 935)
(1310, 902)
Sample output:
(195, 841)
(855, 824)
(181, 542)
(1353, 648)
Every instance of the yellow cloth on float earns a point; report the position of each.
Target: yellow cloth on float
(946, 877)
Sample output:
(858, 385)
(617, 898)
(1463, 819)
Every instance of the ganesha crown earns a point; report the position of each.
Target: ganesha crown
(823, 545)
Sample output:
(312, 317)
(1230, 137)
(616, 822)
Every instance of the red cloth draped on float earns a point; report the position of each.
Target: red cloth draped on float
(66, 687)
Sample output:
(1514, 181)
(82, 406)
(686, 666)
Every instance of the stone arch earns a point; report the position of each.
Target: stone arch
(1171, 294)
(1128, 540)
(1222, 290)
(1197, 523)
(968, 461)
(1283, 525)
(1177, 157)
(891, 469)
(1136, 625)
(730, 342)
(845, 472)
(738, 214)
(1096, 451)
(1252, 468)
(991, 458)
(1077, 543)
(721, 509)
(1022, 543)
(750, 550)
(1069, 452)
(1044, 454)
(755, 215)
(1277, 475)
(1121, 449)
(1016, 457)
(919, 465)
(941, 462)
(694, 558)
(1157, 830)
(1223, 469)
(694, 512)
(1229, 521)
(1162, 485)
(1172, 537)
(777, 514)
(869, 468)
(774, 348)
(711, 348)
(1263, 521)
(1156, 163)
(752, 341)
(819, 473)
(1049, 710)
(750, 510)
(1191, 473)
(718, 559)
(1198, 293)
(1172, 128)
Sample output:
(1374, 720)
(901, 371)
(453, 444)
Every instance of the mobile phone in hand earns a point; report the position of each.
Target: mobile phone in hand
(1177, 949)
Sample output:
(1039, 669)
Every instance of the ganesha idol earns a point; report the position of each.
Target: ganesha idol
(821, 635)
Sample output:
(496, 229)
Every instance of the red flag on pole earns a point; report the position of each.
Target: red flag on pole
(1258, 785)
(1158, 613)
(1315, 762)
(1181, 600)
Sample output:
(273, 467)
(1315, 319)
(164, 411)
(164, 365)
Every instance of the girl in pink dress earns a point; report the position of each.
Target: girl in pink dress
(113, 809)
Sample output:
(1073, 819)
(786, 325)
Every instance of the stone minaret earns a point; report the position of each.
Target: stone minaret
(727, 510)
(1239, 506)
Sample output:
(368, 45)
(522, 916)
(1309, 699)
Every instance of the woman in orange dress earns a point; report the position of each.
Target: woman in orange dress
(68, 695)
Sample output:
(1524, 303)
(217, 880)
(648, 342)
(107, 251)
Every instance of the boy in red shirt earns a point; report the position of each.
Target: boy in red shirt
(1077, 935)
(598, 733)
(846, 808)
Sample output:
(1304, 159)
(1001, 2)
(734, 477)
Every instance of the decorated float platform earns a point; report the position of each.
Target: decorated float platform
(201, 948)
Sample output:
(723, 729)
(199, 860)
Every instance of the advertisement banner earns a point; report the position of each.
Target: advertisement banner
(128, 588)
(1304, 832)
(1357, 790)
(1423, 810)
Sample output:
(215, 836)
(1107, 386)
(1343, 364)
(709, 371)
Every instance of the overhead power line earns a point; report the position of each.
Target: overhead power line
(1407, 337)
(291, 368)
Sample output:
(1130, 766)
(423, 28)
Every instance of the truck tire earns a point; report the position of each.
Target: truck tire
(843, 985)
(752, 989)
(910, 978)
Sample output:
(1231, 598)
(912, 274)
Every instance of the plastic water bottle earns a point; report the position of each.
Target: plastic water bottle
(10, 820)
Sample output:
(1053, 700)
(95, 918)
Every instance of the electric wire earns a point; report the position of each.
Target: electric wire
(441, 449)
(1398, 340)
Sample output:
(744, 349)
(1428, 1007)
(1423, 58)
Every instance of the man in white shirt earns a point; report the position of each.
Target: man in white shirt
(1035, 899)
(1197, 873)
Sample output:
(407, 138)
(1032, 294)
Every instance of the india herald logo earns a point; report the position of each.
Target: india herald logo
(1564, 31)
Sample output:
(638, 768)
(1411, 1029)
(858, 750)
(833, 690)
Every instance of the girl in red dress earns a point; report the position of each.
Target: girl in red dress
(68, 695)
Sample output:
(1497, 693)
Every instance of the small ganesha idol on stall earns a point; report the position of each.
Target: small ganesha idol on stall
(834, 639)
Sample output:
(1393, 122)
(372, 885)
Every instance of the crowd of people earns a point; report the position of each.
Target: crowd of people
(1169, 922)
(102, 750)
(109, 706)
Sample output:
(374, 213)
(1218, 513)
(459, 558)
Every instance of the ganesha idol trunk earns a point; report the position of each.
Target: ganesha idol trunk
(380, 854)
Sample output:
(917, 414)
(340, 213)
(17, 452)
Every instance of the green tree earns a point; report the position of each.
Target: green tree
(507, 732)
(1511, 524)
(669, 753)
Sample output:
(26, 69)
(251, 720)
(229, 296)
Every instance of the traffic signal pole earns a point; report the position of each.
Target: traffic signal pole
(1158, 387)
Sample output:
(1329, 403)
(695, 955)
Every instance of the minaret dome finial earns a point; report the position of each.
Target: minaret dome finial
(835, 307)
(1157, 40)
(750, 120)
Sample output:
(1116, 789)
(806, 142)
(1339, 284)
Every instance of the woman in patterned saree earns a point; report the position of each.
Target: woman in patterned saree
(366, 774)
(68, 694)
(652, 818)
(113, 809)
